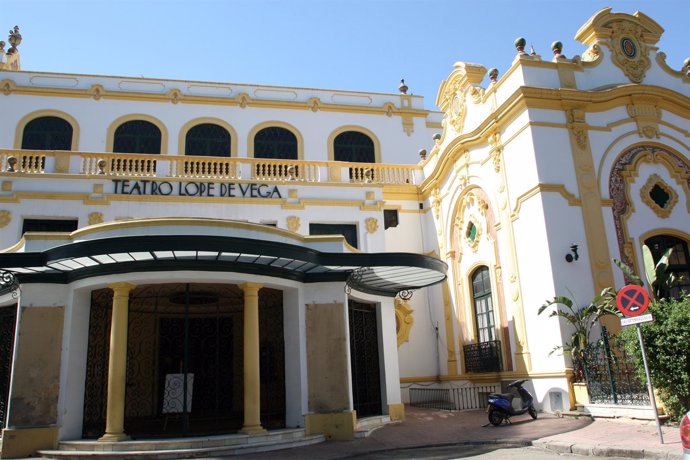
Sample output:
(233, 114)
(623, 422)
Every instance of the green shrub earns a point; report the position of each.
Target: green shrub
(667, 342)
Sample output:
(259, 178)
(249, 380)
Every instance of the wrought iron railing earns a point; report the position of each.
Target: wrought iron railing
(463, 398)
(483, 357)
(195, 167)
(610, 373)
(8, 283)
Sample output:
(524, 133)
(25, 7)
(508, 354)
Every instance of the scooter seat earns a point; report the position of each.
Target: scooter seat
(508, 396)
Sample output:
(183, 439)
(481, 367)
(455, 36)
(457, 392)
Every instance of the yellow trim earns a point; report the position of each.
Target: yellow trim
(19, 131)
(396, 412)
(110, 133)
(338, 426)
(664, 231)
(655, 180)
(489, 377)
(276, 124)
(204, 120)
(24, 442)
(551, 99)
(542, 188)
(359, 129)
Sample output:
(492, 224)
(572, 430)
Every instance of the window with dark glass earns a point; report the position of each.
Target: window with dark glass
(47, 133)
(678, 263)
(349, 231)
(275, 142)
(49, 225)
(483, 305)
(137, 136)
(390, 218)
(353, 146)
(207, 140)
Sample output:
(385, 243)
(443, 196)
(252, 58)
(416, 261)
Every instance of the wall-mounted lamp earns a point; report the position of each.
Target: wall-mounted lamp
(574, 256)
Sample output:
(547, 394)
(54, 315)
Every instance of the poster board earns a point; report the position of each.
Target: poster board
(174, 393)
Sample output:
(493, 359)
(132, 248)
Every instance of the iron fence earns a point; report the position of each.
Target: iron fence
(483, 357)
(465, 398)
(610, 373)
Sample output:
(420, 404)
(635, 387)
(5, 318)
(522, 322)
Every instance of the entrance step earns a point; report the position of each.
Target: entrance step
(235, 444)
(365, 426)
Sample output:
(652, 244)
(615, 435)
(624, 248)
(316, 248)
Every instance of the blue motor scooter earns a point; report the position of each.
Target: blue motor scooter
(500, 406)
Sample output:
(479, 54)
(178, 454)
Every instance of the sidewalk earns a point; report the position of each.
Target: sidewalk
(426, 427)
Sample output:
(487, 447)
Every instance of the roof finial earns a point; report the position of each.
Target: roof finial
(493, 74)
(520, 45)
(557, 48)
(403, 87)
(15, 39)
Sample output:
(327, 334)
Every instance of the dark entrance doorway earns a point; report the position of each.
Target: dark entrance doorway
(177, 329)
(364, 357)
(8, 319)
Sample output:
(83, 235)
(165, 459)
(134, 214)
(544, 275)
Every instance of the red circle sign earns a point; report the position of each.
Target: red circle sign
(632, 300)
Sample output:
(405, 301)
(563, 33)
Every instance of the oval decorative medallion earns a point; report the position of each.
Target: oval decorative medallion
(628, 47)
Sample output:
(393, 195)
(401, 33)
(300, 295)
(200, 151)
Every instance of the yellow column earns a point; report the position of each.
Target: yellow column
(117, 364)
(252, 392)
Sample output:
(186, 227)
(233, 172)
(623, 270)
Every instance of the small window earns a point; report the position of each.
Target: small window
(47, 133)
(390, 218)
(349, 231)
(137, 136)
(49, 225)
(207, 140)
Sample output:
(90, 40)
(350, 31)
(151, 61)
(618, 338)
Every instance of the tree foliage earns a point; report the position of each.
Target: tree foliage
(667, 342)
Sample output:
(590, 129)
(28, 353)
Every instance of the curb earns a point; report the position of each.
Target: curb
(593, 450)
(561, 447)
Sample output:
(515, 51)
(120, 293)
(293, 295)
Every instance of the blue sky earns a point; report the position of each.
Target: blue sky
(335, 44)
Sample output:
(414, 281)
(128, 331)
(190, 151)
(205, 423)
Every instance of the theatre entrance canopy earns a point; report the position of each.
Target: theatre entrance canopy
(146, 245)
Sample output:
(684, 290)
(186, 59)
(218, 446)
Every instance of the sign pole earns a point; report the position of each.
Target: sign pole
(650, 387)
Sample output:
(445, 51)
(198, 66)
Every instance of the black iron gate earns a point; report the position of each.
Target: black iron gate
(8, 318)
(364, 358)
(610, 373)
(185, 329)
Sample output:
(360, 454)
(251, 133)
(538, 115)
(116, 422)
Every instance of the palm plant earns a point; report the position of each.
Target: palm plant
(659, 277)
(582, 319)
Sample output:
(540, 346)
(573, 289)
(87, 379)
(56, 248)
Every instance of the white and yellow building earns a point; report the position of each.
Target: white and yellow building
(161, 228)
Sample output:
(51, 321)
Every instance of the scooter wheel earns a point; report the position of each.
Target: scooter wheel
(533, 412)
(495, 417)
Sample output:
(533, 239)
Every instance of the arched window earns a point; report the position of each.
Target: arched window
(353, 146)
(483, 305)
(275, 142)
(208, 140)
(678, 263)
(47, 133)
(137, 136)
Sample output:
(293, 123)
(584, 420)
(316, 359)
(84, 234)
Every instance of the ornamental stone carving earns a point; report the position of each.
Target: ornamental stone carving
(95, 218)
(403, 320)
(463, 81)
(630, 53)
(659, 196)
(372, 224)
(293, 223)
(5, 218)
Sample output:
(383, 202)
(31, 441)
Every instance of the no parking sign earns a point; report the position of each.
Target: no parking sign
(633, 300)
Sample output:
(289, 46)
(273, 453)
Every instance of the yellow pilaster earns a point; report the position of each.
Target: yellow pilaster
(252, 392)
(592, 214)
(523, 359)
(117, 364)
